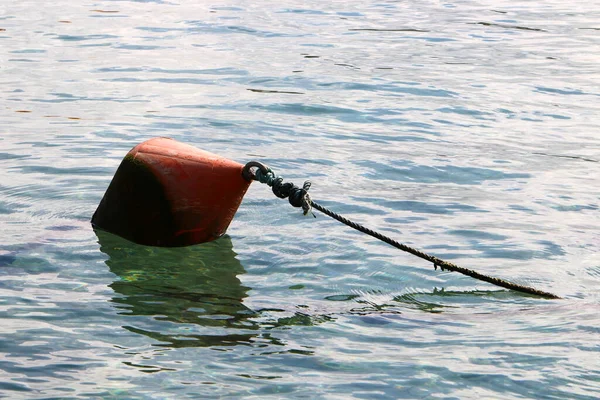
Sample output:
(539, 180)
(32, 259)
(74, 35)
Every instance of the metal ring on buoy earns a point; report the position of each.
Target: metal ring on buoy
(247, 171)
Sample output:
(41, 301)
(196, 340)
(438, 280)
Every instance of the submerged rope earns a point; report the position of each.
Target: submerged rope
(299, 197)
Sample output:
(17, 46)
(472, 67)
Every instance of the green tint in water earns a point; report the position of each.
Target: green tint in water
(191, 285)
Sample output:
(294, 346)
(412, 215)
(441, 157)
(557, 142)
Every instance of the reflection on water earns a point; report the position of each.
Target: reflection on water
(199, 285)
(191, 285)
(441, 300)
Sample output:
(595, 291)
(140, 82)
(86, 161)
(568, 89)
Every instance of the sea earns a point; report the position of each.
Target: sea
(469, 130)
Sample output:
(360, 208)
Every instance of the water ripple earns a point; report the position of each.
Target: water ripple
(461, 129)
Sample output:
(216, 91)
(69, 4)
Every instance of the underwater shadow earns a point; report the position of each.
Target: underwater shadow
(196, 285)
(193, 297)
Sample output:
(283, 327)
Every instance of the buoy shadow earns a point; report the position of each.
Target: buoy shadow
(193, 297)
(187, 285)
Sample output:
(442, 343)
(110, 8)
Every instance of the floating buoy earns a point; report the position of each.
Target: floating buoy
(166, 193)
(171, 194)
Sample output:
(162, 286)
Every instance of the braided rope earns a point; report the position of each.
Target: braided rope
(444, 265)
(299, 197)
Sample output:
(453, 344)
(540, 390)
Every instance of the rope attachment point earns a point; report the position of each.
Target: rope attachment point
(298, 197)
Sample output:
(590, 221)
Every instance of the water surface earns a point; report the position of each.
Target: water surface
(466, 129)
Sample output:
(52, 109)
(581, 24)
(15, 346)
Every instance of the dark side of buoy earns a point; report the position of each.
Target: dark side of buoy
(166, 193)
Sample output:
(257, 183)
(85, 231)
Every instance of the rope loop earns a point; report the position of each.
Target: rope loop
(267, 178)
(298, 197)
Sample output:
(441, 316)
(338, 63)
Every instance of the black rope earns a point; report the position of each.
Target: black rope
(444, 265)
(299, 197)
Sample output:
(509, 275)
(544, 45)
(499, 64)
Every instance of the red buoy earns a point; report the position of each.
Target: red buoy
(169, 194)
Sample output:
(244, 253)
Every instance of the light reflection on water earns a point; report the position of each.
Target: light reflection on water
(464, 129)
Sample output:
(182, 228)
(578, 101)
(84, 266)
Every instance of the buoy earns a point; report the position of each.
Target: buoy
(166, 193)
(171, 194)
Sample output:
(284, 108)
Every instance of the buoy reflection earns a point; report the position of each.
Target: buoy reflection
(196, 285)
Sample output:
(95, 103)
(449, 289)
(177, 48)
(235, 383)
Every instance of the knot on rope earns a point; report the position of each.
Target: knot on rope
(298, 197)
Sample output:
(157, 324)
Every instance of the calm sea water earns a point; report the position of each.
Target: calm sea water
(468, 129)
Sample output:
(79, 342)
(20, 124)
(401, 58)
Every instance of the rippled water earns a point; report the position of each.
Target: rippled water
(466, 129)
